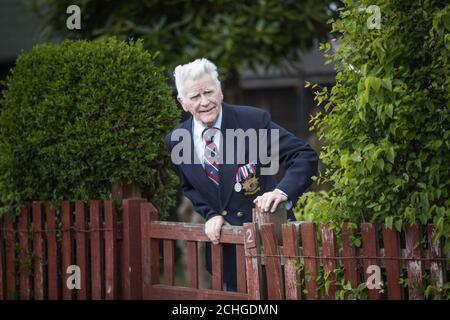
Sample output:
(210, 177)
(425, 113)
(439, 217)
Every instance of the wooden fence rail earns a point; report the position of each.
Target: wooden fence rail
(129, 254)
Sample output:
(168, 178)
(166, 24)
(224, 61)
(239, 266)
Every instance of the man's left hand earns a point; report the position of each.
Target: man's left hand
(269, 201)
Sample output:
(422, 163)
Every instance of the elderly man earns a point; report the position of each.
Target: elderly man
(222, 188)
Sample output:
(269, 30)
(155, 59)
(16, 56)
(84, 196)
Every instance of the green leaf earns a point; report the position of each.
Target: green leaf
(389, 110)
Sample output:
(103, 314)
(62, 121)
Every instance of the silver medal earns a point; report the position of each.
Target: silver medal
(237, 187)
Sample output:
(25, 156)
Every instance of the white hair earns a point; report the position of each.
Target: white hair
(194, 70)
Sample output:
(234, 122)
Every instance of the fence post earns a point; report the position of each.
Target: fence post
(148, 213)
(131, 260)
(252, 262)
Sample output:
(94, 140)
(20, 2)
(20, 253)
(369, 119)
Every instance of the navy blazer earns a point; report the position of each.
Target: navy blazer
(296, 157)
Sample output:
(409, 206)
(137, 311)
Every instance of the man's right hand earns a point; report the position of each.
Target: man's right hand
(213, 227)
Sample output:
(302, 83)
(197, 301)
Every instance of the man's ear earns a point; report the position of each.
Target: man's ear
(180, 100)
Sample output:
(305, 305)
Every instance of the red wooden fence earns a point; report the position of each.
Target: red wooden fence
(119, 257)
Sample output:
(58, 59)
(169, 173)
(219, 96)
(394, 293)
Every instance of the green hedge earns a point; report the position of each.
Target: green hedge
(386, 122)
(80, 116)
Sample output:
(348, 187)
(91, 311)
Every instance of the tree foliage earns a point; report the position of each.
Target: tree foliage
(80, 116)
(386, 122)
(230, 33)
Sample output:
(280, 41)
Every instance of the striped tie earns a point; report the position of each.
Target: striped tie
(210, 156)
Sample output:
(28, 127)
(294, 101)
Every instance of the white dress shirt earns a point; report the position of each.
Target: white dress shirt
(199, 143)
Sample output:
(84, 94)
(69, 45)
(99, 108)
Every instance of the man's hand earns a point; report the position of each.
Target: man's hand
(213, 227)
(264, 202)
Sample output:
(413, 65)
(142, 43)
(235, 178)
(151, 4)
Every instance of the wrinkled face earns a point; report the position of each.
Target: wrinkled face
(202, 98)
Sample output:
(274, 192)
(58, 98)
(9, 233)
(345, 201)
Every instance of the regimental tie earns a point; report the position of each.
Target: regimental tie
(210, 156)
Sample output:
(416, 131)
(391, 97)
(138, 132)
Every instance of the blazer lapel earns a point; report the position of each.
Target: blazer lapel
(195, 173)
(227, 172)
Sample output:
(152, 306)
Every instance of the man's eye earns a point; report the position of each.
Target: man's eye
(195, 97)
(208, 92)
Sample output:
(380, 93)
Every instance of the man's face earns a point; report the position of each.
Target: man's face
(202, 98)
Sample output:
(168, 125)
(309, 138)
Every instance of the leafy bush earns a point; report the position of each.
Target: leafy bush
(79, 117)
(386, 122)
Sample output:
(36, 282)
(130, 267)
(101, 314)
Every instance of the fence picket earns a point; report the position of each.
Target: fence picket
(10, 245)
(169, 260)
(52, 259)
(290, 251)
(192, 263)
(96, 267)
(308, 235)
(436, 266)
(2, 254)
(38, 251)
(81, 253)
(369, 240)
(348, 252)
(217, 266)
(110, 239)
(25, 283)
(67, 245)
(240, 269)
(329, 263)
(414, 267)
(273, 272)
(392, 265)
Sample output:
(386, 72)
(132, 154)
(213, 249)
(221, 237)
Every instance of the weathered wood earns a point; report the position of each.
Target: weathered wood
(273, 270)
(240, 269)
(25, 283)
(163, 292)
(169, 260)
(38, 250)
(2, 254)
(414, 267)
(148, 213)
(349, 251)
(81, 252)
(52, 259)
(131, 249)
(96, 268)
(66, 248)
(252, 262)
(193, 232)
(392, 263)
(329, 263)
(110, 250)
(436, 267)
(10, 247)
(291, 285)
(192, 263)
(278, 218)
(369, 240)
(217, 266)
(308, 236)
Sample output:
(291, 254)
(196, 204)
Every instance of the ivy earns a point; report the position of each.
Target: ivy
(386, 122)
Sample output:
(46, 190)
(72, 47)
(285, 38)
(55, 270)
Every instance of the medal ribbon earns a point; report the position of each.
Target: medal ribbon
(244, 171)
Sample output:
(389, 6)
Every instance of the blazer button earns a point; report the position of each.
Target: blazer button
(224, 212)
(240, 214)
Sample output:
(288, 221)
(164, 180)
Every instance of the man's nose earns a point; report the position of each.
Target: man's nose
(203, 100)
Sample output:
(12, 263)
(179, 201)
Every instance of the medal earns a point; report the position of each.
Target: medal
(245, 173)
(251, 185)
